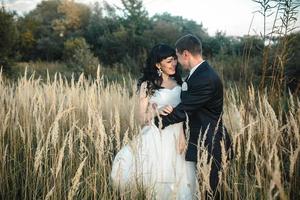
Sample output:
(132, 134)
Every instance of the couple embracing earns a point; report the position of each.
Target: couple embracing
(179, 116)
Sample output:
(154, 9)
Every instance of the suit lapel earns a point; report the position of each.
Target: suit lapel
(186, 79)
(189, 81)
(202, 67)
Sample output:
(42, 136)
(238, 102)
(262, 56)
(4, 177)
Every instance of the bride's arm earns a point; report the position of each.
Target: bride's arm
(146, 112)
(181, 143)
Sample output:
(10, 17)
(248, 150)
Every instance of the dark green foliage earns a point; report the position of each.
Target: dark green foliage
(44, 30)
(293, 66)
(79, 58)
(8, 39)
(106, 35)
(170, 28)
(49, 48)
(28, 31)
(45, 43)
(121, 38)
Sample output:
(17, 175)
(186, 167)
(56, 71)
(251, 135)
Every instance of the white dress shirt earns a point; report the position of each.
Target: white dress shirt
(194, 69)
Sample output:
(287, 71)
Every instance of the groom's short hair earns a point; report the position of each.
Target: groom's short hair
(190, 43)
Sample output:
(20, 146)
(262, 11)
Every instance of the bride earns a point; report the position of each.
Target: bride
(156, 157)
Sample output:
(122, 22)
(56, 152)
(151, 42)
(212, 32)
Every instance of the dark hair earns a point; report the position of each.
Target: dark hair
(190, 43)
(149, 71)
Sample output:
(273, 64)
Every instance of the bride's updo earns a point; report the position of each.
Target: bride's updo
(149, 71)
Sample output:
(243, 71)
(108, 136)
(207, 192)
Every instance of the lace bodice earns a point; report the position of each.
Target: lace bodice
(166, 96)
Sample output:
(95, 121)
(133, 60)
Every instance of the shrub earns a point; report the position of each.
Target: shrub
(79, 57)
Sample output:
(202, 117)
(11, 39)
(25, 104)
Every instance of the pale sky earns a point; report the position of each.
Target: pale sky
(230, 16)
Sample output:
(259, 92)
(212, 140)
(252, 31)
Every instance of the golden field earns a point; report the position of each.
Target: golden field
(58, 139)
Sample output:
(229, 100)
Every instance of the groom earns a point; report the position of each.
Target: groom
(202, 101)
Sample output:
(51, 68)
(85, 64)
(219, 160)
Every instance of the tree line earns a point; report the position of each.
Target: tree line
(83, 36)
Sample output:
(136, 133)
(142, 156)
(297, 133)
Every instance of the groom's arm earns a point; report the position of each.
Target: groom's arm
(194, 99)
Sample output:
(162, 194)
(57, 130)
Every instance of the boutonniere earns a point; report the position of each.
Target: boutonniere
(184, 86)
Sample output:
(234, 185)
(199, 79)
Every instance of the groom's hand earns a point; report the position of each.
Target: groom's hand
(165, 110)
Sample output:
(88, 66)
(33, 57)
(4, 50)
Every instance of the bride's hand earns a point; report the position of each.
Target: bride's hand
(165, 110)
(181, 144)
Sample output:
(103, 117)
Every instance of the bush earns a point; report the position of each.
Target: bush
(8, 39)
(79, 57)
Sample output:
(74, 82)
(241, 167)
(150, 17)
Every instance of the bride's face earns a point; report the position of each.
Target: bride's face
(168, 65)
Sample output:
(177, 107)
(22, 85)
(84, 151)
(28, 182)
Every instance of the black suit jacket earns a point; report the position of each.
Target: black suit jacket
(203, 104)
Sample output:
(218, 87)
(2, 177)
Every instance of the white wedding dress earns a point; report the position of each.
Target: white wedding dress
(151, 158)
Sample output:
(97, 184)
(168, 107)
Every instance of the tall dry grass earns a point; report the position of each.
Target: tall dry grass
(58, 139)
